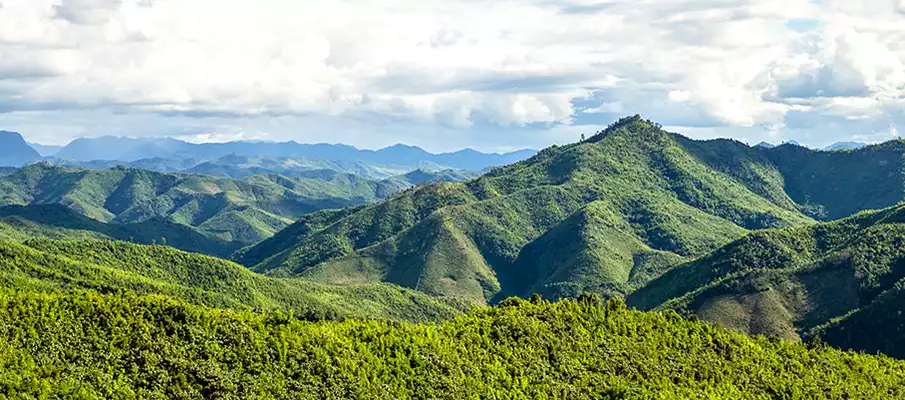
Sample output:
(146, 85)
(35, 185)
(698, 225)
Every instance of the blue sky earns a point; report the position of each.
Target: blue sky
(493, 75)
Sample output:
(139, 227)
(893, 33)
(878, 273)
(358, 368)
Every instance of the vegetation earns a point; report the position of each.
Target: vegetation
(603, 215)
(88, 345)
(234, 210)
(19, 223)
(108, 266)
(838, 281)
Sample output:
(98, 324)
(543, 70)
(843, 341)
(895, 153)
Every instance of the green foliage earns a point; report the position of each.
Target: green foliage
(243, 210)
(85, 345)
(606, 215)
(53, 221)
(838, 281)
(107, 266)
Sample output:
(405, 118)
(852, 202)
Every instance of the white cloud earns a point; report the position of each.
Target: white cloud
(497, 67)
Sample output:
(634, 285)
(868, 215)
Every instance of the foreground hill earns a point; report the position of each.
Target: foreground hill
(107, 266)
(234, 210)
(125, 346)
(840, 280)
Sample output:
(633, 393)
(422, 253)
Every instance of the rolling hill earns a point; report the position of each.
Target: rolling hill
(125, 346)
(812, 281)
(104, 266)
(604, 215)
(233, 210)
(54, 221)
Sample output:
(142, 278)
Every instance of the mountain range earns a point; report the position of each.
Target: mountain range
(235, 210)
(714, 228)
(110, 148)
(784, 244)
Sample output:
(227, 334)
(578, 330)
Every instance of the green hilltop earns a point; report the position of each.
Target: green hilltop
(243, 210)
(604, 215)
(87, 345)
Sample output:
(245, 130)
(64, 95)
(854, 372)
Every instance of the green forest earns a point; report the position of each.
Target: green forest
(637, 263)
(87, 345)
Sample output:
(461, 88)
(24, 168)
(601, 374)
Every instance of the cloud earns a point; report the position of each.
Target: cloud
(517, 69)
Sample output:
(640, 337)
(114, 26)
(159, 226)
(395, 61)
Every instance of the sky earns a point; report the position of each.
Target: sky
(494, 75)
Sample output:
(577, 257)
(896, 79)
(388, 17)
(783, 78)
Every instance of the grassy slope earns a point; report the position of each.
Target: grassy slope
(245, 210)
(123, 346)
(788, 282)
(648, 194)
(108, 266)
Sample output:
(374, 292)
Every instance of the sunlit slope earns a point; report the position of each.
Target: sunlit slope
(124, 346)
(243, 210)
(106, 266)
(628, 203)
(788, 282)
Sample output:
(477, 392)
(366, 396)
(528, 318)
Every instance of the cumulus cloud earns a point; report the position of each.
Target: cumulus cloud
(518, 69)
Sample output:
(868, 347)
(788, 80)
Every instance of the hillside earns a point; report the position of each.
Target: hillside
(107, 267)
(603, 215)
(54, 221)
(125, 346)
(14, 151)
(799, 282)
(234, 210)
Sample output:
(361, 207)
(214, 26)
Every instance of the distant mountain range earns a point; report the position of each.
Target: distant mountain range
(845, 146)
(832, 147)
(109, 148)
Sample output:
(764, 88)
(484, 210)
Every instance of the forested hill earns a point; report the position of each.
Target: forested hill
(83, 345)
(604, 215)
(233, 210)
(806, 282)
(104, 266)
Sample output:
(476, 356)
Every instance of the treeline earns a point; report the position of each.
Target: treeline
(89, 345)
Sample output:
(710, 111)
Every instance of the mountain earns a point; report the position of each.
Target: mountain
(233, 210)
(90, 345)
(605, 215)
(765, 145)
(420, 177)
(14, 151)
(45, 150)
(821, 280)
(132, 149)
(236, 166)
(122, 149)
(844, 146)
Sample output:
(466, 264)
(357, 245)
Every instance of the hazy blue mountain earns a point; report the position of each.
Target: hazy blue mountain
(845, 146)
(123, 149)
(765, 145)
(45, 150)
(14, 151)
(131, 149)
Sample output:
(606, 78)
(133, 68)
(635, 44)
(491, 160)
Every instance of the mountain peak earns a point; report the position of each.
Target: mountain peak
(14, 151)
(631, 124)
